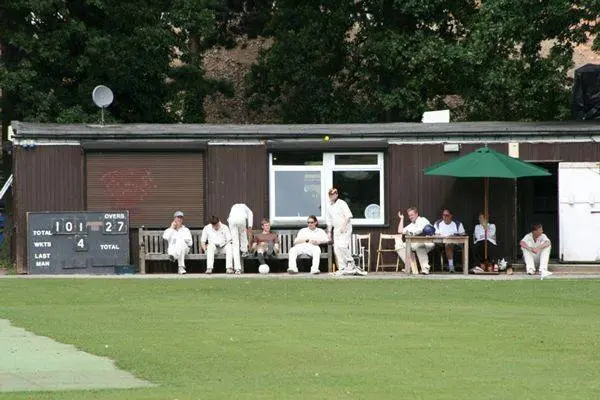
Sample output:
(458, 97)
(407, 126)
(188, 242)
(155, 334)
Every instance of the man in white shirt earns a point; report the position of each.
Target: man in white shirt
(536, 249)
(448, 226)
(216, 239)
(180, 240)
(307, 242)
(416, 226)
(338, 219)
(240, 222)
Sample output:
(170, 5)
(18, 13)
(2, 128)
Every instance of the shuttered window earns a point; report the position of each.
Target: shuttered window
(151, 185)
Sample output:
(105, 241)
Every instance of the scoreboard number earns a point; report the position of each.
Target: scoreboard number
(81, 243)
(69, 226)
(115, 227)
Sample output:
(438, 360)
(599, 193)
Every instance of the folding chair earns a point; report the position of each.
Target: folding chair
(361, 250)
(385, 247)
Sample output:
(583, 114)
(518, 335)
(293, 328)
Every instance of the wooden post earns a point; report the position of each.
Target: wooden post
(142, 247)
(486, 188)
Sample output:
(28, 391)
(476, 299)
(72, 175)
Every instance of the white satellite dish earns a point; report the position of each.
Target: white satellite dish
(103, 97)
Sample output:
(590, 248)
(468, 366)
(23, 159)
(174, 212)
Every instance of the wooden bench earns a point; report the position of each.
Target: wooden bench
(286, 242)
(154, 248)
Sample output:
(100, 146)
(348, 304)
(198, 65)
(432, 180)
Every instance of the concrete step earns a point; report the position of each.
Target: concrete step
(563, 268)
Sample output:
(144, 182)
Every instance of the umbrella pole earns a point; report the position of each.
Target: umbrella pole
(515, 217)
(486, 188)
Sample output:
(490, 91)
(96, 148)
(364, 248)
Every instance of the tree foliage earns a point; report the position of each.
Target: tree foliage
(502, 60)
(148, 52)
(331, 60)
(300, 74)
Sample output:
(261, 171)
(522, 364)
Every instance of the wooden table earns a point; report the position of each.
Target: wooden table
(463, 239)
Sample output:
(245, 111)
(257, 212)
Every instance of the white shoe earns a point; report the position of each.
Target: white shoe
(292, 271)
(315, 271)
(181, 270)
(208, 271)
(361, 272)
(424, 272)
(544, 274)
(238, 272)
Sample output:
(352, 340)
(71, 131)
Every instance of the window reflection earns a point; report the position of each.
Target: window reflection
(298, 193)
(359, 189)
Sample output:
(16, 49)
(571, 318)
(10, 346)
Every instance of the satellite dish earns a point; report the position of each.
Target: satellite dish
(102, 96)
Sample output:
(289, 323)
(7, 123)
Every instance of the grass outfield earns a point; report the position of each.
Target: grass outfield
(323, 339)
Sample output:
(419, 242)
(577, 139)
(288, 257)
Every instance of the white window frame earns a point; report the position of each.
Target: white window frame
(326, 170)
(329, 166)
(301, 220)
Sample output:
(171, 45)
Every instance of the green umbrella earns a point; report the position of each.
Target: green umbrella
(486, 163)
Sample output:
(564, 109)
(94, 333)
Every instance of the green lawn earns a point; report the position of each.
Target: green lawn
(323, 339)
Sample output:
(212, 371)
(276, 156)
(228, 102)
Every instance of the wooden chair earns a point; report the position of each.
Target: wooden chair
(361, 250)
(387, 243)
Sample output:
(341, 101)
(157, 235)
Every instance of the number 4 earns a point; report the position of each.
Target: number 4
(81, 243)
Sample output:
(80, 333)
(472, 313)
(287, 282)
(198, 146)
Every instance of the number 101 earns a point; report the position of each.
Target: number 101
(66, 227)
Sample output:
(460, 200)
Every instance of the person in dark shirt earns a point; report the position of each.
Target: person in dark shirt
(265, 243)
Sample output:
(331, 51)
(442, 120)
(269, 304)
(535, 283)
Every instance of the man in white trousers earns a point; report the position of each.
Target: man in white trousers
(216, 239)
(180, 240)
(536, 249)
(339, 223)
(307, 242)
(240, 222)
(416, 226)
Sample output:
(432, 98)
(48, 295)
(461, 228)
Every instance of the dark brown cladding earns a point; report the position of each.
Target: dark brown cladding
(560, 152)
(46, 178)
(237, 174)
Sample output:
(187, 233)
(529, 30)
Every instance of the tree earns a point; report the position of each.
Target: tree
(391, 60)
(407, 53)
(55, 52)
(519, 53)
(148, 52)
(301, 74)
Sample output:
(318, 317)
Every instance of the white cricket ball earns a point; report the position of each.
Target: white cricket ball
(263, 269)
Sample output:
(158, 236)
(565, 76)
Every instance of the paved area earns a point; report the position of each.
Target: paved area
(30, 362)
(595, 274)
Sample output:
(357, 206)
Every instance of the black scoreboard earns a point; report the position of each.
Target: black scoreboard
(77, 242)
